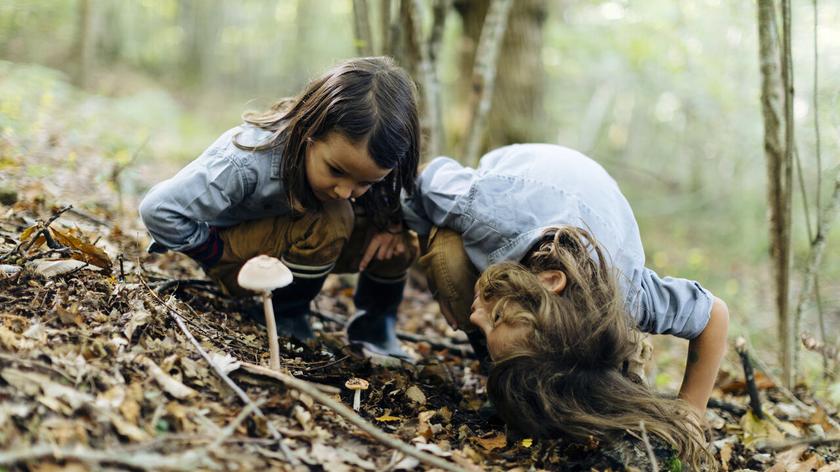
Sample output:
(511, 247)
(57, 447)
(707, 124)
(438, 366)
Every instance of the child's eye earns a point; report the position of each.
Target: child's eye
(335, 171)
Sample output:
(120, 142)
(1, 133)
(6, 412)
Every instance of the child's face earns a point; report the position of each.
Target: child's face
(502, 336)
(338, 169)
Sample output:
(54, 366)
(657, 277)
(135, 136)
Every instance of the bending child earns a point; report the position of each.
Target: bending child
(314, 181)
(471, 219)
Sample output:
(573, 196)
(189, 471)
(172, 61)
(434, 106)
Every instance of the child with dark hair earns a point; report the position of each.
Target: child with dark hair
(314, 181)
(510, 209)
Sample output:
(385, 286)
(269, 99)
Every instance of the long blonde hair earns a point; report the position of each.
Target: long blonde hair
(566, 378)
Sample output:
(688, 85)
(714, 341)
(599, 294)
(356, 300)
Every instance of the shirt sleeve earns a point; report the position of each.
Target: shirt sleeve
(176, 211)
(671, 305)
(442, 188)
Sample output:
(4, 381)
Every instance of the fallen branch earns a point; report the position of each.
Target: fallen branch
(351, 416)
(187, 461)
(461, 350)
(653, 464)
(782, 446)
(239, 392)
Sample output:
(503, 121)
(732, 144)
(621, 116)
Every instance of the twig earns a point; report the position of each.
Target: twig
(239, 392)
(231, 427)
(653, 464)
(43, 226)
(726, 406)
(260, 370)
(755, 400)
(187, 461)
(463, 351)
(781, 446)
(351, 416)
(484, 75)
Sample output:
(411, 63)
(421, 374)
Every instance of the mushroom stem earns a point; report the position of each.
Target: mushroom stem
(271, 326)
(357, 399)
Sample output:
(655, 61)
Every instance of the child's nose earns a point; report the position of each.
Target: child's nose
(343, 191)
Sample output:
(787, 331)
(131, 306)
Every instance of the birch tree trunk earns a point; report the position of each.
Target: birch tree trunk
(363, 38)
(516, 110)
(484, 76)
(778, 172)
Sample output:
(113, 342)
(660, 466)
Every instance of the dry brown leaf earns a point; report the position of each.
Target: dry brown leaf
(493, 442)
(84, 251)
(9, 339)
(756, 430)
(170, 385)
(416, 395)
(725, 456)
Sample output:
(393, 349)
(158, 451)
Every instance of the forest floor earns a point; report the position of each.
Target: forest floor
(97, 373)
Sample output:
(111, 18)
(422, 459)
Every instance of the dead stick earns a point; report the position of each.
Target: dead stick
(351, 416)
(653, 464)
(755, 401)
(187, 461)
(464, 351)
(781, 446)
(239, 392)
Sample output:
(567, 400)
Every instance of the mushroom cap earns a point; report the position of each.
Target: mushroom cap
(356, 384)
(264, 273)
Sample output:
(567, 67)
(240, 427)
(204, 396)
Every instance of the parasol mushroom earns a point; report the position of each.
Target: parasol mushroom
(263, 274)
(357, 385)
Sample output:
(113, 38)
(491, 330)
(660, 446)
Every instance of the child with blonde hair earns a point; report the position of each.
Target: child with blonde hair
(559, 216)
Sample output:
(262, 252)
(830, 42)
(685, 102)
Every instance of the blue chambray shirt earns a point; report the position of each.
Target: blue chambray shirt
(224, 186)
(502, 208)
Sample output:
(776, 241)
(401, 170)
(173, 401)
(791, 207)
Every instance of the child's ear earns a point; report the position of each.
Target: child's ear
(554, 280)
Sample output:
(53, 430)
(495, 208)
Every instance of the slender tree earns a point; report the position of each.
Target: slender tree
(778, 171)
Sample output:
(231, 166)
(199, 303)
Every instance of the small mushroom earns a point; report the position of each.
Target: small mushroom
(263, 274)
(357, 385)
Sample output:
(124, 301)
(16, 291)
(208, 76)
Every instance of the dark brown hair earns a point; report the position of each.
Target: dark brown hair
(367, 99)
(566, 378)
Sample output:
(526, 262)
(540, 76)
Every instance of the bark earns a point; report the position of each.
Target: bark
(85, 42)
(431, 120)
(778, 170)
(484, 76)
(516, 113)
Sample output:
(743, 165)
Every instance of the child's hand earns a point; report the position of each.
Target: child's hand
(384, 245)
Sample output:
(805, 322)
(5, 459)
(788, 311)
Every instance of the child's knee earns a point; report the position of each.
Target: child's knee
(451, 275)
(318, 239)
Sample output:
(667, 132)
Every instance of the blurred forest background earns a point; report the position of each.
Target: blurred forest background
(665, 94)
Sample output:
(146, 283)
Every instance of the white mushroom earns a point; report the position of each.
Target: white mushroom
(357, 385)
(263, 274)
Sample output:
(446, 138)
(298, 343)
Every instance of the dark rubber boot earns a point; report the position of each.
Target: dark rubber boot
(291, 307)
(374, 326)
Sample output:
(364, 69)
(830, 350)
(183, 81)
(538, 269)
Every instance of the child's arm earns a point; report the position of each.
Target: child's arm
(176, 211)
(704, 355)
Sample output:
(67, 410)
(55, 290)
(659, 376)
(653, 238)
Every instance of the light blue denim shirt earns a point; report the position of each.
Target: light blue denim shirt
(502, 208)
(224, 186)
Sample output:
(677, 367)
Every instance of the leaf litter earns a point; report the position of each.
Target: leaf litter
(95, 373)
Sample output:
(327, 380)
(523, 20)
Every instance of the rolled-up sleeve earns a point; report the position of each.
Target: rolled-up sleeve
(670, 305)
(176, 211)
(441, 189)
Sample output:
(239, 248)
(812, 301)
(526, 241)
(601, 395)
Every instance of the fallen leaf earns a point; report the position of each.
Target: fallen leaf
(388, 418)
(493, 442)
(54, 267)
(225, 362)
(170, 385)
(416, 395)
(84, 251)
(756, 430)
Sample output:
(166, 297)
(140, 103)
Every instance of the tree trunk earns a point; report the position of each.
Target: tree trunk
(778, 169)
(516, 112)
(85, 43)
